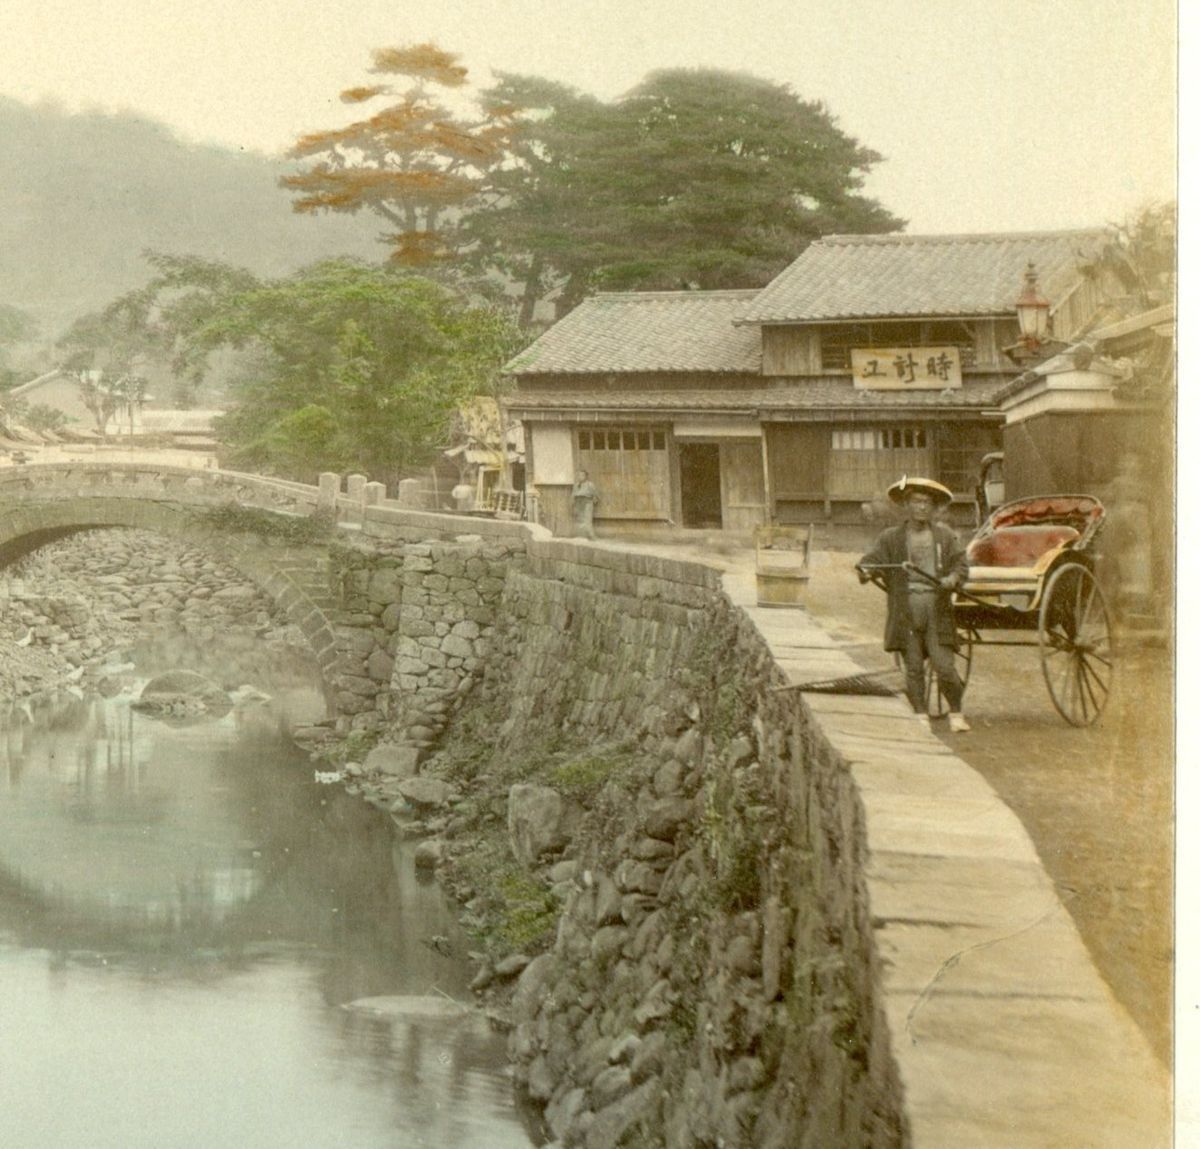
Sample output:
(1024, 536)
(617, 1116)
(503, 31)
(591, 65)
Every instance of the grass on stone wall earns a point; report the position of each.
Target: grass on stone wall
(584, 775)
(290, 529)
(511, 910)
(739, 828)
(511, 907)
(353, 748)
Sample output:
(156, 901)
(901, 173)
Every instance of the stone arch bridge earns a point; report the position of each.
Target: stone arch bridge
(206, 509)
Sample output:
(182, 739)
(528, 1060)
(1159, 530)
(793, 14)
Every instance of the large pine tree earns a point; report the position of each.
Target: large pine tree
(695, 178)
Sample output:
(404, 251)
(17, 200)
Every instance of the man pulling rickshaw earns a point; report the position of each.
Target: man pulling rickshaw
(921, 564)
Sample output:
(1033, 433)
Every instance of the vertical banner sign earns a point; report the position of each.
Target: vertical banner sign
(905, 368)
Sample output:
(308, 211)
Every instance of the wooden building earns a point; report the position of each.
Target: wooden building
(867, 358)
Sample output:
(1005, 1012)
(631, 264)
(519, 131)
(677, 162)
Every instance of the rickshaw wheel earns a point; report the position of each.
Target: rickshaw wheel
(936, 705)
(1075, 638)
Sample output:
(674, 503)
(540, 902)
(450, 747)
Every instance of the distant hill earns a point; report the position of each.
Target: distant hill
(82, 195)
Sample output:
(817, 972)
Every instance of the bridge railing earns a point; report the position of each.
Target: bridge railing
(352, 502)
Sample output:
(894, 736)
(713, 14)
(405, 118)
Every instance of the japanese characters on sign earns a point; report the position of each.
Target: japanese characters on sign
(905, 368)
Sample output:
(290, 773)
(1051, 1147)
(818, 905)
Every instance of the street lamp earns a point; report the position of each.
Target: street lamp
(1033, 318)
(1033, 311)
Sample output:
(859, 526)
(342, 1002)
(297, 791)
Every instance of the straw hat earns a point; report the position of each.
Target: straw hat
(899, 491)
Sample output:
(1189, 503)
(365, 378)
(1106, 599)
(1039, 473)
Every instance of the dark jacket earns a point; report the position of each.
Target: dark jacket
(891, 549)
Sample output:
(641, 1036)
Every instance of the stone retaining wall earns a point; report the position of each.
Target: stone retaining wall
(713, 981)
(714, 978)
(413, 622)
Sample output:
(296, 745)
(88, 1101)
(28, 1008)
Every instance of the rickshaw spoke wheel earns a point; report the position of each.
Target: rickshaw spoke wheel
(1075, 638)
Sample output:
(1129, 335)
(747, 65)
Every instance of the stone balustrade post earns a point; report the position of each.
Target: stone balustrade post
(408, 493)
(374, 494)
(329, 486)
(356, 486)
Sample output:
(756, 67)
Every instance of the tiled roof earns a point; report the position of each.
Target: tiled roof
(647, 331)
(844, 277)
(816, 392)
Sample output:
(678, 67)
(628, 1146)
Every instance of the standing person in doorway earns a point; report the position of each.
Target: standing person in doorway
(584, 498)
(924, 564)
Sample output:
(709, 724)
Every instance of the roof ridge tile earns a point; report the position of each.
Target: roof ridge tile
(934, 238)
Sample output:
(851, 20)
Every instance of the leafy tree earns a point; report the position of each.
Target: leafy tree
(150, 327)
(415, 163)
(188, 291)
(533, 210)
(695, 178)
(109, 351)
(1142, 252)
(43, 417)
(104, 396)
(359, 368)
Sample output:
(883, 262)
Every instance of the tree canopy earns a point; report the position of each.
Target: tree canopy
(695, 178)
(15, 324)
(1142, 251)
(152, 326)
(414, 162)
(356, 368)
(341, 366)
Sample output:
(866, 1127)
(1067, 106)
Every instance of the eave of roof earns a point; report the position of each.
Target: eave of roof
(808, 393)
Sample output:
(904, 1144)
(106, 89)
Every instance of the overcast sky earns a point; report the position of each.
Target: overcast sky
(991, 114)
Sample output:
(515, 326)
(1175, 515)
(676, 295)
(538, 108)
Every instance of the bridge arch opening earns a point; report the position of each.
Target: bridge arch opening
(293, 580)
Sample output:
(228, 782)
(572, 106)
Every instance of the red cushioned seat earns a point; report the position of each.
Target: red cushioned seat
(1077, 509)
(1019, 546)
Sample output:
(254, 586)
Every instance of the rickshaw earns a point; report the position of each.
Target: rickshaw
(1032, 569)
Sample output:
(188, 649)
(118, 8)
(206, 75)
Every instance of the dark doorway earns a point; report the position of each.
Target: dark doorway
(700, 484)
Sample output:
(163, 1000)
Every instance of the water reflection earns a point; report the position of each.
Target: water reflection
(184, 913)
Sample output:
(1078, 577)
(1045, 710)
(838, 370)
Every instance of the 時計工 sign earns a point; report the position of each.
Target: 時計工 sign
(906, 368)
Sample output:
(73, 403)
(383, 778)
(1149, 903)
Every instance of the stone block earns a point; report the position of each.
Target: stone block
(355, 684)
(539, 821)
(398, 761)
(379, 666)
(664, 816)
(384, 586)
(412, 667)
(457, 647)
(427, 792)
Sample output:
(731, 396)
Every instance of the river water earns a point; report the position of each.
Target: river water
(187, 919)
